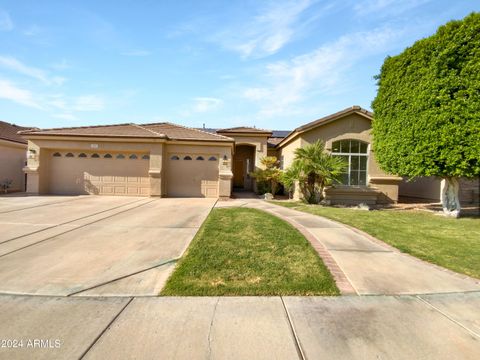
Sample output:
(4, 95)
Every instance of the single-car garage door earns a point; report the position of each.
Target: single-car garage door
(74, 173)
(193, 175)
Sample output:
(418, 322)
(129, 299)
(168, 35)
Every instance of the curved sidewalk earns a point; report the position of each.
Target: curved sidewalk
(361, 264)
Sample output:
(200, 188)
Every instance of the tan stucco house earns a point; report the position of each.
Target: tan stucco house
(13, 149)
(165, 159)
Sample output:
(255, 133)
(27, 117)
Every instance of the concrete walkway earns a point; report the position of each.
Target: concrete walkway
(445, 326)
(363, 265)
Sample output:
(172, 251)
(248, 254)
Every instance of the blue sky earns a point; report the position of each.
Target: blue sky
(273, 64)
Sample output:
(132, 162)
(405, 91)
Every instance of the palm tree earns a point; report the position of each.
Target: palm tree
(314, 169)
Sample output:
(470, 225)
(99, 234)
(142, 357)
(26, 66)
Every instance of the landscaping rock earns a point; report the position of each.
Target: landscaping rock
(268, 196)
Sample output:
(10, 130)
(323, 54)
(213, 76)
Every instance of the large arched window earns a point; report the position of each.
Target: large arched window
(354, 152)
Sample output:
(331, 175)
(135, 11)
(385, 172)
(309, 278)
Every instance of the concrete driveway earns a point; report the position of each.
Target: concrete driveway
(94, 245)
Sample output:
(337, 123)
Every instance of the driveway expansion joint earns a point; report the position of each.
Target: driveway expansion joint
(296, 340)
(105, 329)
(170, 261)
(426, 302)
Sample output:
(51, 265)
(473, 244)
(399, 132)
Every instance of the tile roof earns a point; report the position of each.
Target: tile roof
(9, 132)
(273, 141)
(351, 110)
(154, 130)
(179, 132)
(244, 129)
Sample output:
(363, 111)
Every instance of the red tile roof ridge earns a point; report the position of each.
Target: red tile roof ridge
(200, 131)
(150, 130)
(73, 127)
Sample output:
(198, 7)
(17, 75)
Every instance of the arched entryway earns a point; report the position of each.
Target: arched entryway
(243, 165)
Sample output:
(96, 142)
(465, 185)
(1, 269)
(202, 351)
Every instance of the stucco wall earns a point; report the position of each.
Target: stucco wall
(352, 126)
(260, 143)
(428, 188)
(12, 161)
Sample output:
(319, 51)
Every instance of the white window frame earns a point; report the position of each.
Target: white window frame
(349, 155)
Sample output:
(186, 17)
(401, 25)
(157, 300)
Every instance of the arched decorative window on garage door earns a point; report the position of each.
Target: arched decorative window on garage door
(57, 154)
(355, 153)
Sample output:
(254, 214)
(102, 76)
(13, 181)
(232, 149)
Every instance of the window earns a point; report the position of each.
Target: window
(199, 158)
(146, 157)
(174, 157)
(355, 154)
(96, 156)
(120, 156)
(107, 156)
(212, 158)
(133, 157)
(69, 155)
(82, 155)
(187, 158)
(57, 154)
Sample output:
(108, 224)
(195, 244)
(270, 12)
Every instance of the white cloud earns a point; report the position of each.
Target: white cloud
(205, 104)
(268, 32)
(386, 7)
(88, 103)
(6, 23)
(11, 63)
(137, 52)
(322, 71)
(13, 93)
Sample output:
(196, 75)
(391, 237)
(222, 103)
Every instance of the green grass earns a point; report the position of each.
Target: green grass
(240, 251)
(451, 243)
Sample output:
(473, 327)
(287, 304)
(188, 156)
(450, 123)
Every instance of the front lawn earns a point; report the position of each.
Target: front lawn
(451, 243)
(240, 251)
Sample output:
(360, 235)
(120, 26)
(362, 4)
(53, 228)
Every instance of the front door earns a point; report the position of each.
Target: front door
(238, 173)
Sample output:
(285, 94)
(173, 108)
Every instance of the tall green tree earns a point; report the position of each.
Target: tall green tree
(314, 169)
(427, 109)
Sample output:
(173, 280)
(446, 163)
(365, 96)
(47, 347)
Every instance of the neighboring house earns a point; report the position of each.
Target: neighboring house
(13, 149)
(170, 160)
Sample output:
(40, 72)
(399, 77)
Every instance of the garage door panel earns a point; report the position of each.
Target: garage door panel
(196, 178)
(98, 176)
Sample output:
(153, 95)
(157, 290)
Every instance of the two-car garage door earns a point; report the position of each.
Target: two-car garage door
(73, 173)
